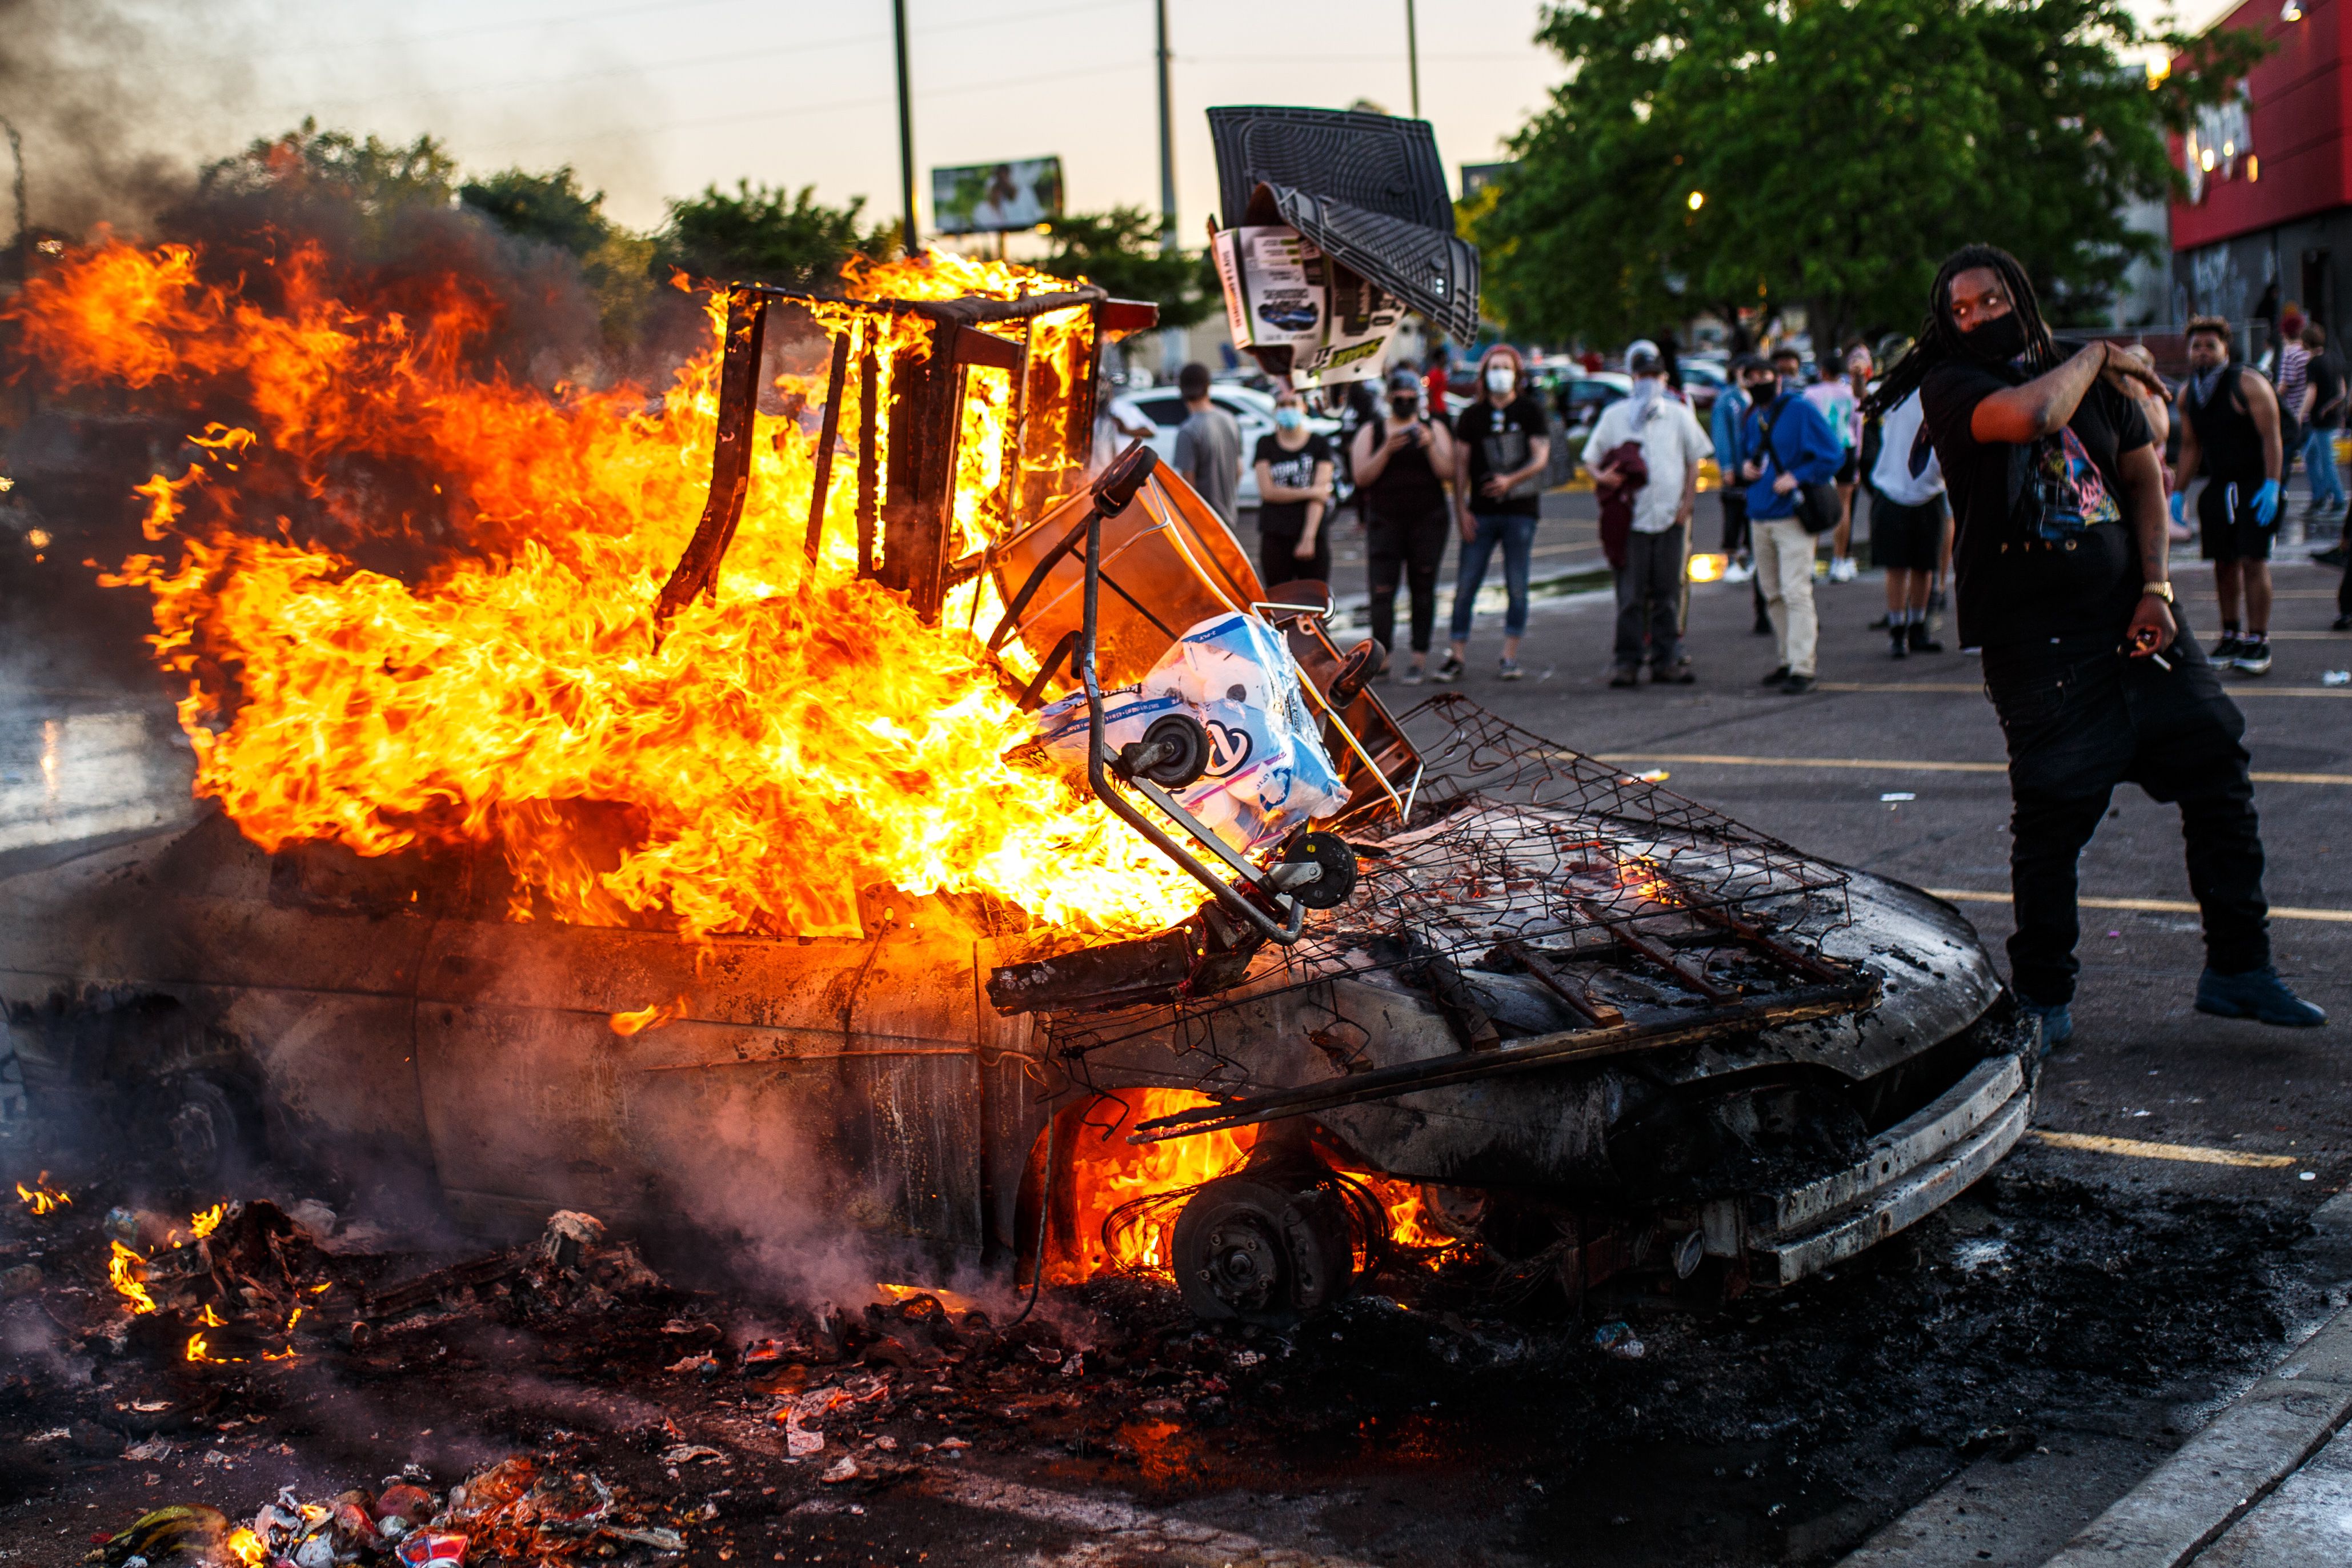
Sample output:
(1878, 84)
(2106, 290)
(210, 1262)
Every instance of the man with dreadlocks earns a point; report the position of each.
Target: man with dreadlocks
(2059, 575)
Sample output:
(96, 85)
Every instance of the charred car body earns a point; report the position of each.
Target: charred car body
(1497, 1000)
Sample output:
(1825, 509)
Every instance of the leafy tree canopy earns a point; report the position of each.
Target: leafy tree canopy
(1711, 154)
(548, 207)
(375, 176)
(1120, 250)
(764, 235)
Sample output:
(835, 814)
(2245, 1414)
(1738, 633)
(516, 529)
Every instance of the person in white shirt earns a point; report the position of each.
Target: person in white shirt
(1650, 588)
(1910, 525)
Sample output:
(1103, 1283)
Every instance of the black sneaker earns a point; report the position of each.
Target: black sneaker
(1624, 676)
(2341, 624)
(1920, 642)
(2332, 555)
(2225, 653)
(1449, 671)
(1901, 646)
(1797, 685)
(2254, 657)
(1672, 674)
(1775, 678)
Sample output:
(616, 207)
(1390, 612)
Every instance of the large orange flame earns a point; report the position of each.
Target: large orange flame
(800, 737)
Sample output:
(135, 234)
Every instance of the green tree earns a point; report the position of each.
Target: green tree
(1120, 250)
(1711, 154)
(548, 207)
(616, 265)
(764, 235)
(374, 176)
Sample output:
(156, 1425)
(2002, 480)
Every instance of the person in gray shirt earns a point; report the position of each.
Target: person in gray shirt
(1209, 445)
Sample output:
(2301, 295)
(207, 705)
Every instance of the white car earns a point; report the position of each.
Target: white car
(1254, 410)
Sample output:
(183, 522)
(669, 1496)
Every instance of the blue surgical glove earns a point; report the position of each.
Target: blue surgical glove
(2180, 508)
(2266, 503)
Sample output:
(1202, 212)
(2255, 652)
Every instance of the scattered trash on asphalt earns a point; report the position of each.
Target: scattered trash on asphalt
(1619, 1340)
(2335, 677)
(1899, 794)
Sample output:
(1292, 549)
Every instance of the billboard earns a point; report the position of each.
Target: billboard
(994, 198)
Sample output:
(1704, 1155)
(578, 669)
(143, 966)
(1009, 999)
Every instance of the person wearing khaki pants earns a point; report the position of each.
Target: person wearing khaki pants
(1790, 444)
(1784, 565)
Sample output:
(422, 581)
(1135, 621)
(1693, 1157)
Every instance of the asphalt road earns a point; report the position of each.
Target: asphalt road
(2025, 1358)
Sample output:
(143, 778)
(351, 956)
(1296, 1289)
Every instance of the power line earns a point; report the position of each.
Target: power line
(798, 109)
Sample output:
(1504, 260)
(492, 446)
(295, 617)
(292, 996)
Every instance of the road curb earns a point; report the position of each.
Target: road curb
(2264, 1436)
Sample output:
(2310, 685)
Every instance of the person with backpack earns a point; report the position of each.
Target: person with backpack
(2060, 577)
(1793, 458)
(1402, 459)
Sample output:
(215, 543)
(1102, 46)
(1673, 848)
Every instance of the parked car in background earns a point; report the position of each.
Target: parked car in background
(1703, 381)
(1164, 407)
(1579, 399)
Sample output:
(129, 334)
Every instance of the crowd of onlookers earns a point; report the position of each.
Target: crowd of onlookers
(1428, 460)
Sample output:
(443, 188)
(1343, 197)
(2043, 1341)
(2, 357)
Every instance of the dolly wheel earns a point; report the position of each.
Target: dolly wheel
(1249, 1249)
(1173, 752)
(1337, 859)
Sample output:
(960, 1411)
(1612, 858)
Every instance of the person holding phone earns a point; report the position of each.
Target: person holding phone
(1402, 459)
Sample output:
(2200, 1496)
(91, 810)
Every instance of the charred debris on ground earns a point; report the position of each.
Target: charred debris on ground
(561, 1400)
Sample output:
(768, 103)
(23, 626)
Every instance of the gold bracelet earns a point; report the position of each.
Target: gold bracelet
(2158, 590)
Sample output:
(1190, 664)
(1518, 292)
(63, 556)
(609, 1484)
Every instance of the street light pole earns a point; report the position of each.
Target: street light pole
(906, 131)
(1166, 141)
(1413, 56)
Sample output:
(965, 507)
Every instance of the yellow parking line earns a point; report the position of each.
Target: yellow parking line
(2192, 1153)
(2235, 688)
(1885, 764)
(2141, 905)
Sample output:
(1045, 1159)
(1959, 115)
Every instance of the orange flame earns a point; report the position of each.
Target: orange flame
(799, 737)
(127, 1272)
(1105, 1173)
(207, 1222)
(199, 1351)
(244, 1548)
(43, 1199)
(644, 1019)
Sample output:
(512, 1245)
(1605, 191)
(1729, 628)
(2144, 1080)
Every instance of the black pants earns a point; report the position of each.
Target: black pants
(1277, 564)
(1735, 518)
(1649, 600)
(2081, 719)
(1410, 549)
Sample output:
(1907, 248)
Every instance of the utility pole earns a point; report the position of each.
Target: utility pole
(1167, 141)
(1413, 56)
(906, 132)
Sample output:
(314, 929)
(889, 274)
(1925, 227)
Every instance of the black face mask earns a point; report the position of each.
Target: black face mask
(1996, 341)
(1764, 391)
(1405, 407)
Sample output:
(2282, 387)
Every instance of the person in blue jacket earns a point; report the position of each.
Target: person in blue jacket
(1787, 443)
(1728, 427)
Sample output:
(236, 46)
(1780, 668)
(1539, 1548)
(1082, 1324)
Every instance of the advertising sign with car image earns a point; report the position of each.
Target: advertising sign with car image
(1300, 312)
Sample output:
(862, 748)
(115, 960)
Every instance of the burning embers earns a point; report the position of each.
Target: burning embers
(414, 602)
(41, 1198)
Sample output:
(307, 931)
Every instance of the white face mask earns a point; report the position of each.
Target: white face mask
(1501, 378)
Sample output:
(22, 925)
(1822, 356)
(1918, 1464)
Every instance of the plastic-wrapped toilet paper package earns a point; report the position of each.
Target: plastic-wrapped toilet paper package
(1268, 772)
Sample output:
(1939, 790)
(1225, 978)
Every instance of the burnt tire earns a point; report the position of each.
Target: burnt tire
(204, 1138)
(1251, 1249)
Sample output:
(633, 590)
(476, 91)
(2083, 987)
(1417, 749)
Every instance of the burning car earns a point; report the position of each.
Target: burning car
(688, 846)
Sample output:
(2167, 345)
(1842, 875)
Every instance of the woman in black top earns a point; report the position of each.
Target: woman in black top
(1294, 492)
(1399, 459)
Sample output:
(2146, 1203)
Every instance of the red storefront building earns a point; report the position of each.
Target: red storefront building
(2268, 218)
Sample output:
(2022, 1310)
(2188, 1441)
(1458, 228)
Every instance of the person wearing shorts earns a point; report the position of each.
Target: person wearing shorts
(2231, 437)
(1909, 524)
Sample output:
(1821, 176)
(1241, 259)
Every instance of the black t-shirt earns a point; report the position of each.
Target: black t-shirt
(2326, 387)
(1498, 439)
(2042, 549)
(1295, 469)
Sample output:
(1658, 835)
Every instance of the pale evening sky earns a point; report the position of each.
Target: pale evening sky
(649, 99)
